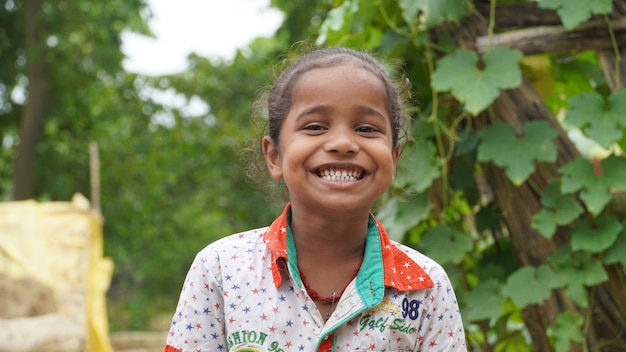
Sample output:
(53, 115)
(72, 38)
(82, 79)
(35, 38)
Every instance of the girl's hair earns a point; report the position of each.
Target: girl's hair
(273, 106)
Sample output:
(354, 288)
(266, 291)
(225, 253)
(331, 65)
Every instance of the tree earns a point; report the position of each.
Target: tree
(60, 57)
(528, 218)
(171, 181)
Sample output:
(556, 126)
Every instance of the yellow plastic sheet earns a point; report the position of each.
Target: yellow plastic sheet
(60, 244)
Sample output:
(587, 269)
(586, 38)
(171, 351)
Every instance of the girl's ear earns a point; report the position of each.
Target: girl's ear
(396, 155)
(272, 158)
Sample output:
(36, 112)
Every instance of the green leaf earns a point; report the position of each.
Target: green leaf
(517, 155)
(445, 245)
(515, 342)
(544, 222)
(419, 168)
(431, 13)
(595, 237)
(528, 285)
(400, 216)
(458, 73)
(485, 301)
(595, 181)
(580, 271)
(567, 328)
(335, 19)
(604, 122)
(558, 210)
(617, 253)
(573, 13)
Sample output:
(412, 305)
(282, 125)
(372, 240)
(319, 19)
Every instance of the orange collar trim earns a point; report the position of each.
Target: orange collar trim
(401, 271)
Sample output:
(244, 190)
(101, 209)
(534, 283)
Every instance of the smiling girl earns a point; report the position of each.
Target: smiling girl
(324, 276)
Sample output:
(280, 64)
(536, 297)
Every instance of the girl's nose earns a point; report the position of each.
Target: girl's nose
(342, 140)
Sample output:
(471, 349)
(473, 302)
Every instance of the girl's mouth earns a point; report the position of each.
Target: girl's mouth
(336, 174)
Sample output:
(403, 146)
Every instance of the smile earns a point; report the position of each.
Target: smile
(340, 174)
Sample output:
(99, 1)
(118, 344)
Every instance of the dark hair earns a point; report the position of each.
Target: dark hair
(274, 104)
(279, 97)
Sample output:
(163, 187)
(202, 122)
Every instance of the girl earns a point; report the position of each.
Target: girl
(324, 276)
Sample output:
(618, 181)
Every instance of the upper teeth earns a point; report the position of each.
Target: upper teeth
(340, 175)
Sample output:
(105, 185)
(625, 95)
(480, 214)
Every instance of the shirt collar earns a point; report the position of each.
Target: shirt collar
(400, 271)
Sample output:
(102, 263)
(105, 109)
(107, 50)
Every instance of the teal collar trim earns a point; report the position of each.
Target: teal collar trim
(370, 281)
(291, 254)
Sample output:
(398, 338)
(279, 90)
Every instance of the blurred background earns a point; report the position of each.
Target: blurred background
(123, 126)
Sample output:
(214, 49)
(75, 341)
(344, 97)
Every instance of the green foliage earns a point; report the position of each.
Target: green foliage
(517, 155)
(428, 14)
(480, 308)
(617, 253)
(594, 180)
(567, 327)
(573, 13)
(400, 216)
(558, 210)
(475, 87)
(449, 168)
(603, 121)
(597, 236)
(529, 285)
(446, 245)
(574, 271)
(419, 169)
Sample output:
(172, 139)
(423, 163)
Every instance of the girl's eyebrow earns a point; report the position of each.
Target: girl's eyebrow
(312, 110)
(361, 109)
(371, 111)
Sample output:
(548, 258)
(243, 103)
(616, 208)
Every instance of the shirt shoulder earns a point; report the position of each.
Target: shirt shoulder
(230, 242)
(430, 266)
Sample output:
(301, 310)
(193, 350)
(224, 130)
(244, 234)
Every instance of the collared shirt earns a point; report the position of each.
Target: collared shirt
(244, 293)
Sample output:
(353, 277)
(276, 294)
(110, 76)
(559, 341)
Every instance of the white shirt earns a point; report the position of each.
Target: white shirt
(243, 293)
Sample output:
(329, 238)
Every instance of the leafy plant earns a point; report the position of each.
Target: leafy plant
(500, 173)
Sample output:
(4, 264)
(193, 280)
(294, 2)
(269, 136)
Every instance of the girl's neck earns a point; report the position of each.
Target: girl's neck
(334, 237)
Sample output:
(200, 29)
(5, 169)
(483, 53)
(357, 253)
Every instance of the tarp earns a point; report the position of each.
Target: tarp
(60, 245)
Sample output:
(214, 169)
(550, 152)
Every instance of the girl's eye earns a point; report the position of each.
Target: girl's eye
(313, 127)
(366, 129)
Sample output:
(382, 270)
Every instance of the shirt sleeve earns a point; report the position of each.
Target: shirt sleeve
(198, 322)
(442, 328)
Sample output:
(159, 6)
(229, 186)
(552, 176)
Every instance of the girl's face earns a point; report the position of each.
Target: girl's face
(335, 149)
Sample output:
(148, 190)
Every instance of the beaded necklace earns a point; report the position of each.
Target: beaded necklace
(334, 297)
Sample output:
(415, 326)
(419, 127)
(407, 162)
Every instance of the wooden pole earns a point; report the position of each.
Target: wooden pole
(94, 175)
